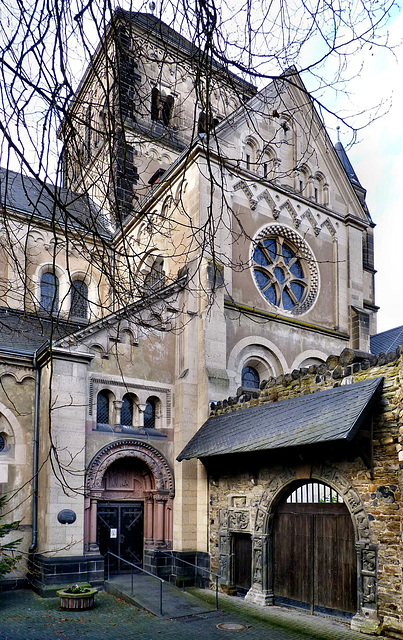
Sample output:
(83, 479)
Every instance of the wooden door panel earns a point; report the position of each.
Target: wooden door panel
(242, 549)
(293, 556)
(335, 564)
(314, 556)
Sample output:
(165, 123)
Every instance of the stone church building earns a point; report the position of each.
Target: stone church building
(185, 342)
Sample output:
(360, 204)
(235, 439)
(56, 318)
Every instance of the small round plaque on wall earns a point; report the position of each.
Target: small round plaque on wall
(67, 516)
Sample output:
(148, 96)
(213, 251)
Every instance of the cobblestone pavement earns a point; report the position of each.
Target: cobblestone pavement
(26, 616)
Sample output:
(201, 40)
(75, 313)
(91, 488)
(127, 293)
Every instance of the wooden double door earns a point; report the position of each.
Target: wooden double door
(120, 530)
(314, 557)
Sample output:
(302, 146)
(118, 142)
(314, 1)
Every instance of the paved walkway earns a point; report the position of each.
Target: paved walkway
(25, 616)
(145, 593)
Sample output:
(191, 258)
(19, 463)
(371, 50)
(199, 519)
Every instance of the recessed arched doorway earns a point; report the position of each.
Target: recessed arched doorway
(315, 562)
(129, 505)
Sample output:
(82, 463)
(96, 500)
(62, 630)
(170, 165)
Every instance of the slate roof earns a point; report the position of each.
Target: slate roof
(343, 157)
(324, 416)
(49, 202)
(386, 341)
(27, 332)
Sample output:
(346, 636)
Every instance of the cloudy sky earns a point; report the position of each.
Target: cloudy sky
(378, 161)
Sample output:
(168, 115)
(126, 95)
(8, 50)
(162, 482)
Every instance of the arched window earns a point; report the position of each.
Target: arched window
(149, 414)
(126, 412)
(155, 278)
(162, 106)
(79, 299)
(49, 292)
(250, 378)
(250, 154)
(103, 407)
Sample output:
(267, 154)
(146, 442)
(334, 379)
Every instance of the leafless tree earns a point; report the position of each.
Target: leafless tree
(50, 127)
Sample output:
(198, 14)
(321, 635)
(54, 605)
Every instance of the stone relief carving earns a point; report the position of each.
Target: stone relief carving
(223, 545)
(329, 227)
(309, 215)
(257, 566)
(368, 589)
(247, 191)
(238, 520)
(223, 518)
(288, 206)
(238, 502)
(224, 567)
(265, 195)
(368, 560)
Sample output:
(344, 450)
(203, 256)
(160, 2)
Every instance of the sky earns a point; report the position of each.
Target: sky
(378, 161)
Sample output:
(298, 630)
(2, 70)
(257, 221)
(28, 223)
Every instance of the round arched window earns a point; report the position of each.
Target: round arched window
(284, 270)
(250, 378)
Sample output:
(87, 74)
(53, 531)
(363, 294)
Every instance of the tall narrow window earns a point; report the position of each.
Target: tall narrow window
(126, 412)
(149, 414)
(79, 299)
(155, 279)
(102, 408)
(162, 107)
(250, 378)
(49, 292)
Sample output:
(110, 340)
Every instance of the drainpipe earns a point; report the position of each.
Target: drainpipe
(34, 543)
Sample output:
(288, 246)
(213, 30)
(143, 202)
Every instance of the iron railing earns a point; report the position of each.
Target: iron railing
(197, 568)
(135, 566)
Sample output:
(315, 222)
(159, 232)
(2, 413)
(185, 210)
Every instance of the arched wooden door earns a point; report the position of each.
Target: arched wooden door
(314, 551)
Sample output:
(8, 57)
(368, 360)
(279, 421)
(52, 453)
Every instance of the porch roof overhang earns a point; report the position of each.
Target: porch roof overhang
(334, 415)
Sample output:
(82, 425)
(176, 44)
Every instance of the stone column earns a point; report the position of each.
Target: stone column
(260, 593)
(148, 518)
(117, 407)
(92, 542)
(159, 519)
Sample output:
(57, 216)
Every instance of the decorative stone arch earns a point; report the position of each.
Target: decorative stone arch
(261, 591)
(157, 497)
(155, 461)
(303, 359)
(255, 347)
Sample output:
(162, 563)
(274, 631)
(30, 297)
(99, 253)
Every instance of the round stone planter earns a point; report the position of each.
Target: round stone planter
(77, 601)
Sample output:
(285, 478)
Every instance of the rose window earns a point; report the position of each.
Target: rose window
(285, 271)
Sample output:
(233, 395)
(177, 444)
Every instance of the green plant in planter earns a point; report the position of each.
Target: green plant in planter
(76, 588)
(8, 557)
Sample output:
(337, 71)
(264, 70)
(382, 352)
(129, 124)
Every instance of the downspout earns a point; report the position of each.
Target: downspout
(34, 542)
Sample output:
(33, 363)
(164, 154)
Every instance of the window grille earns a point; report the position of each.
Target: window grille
(314, 492)
(79, 299)
(149, 415)
(250, 378)
(102, 408)
(126, 412)
(49, 292)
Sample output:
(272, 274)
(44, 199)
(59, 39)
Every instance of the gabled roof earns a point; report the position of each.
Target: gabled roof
(386, 341)
(46, 201)
(321, 417)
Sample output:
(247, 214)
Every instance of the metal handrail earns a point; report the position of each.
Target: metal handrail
(196, 566)
(109, 553)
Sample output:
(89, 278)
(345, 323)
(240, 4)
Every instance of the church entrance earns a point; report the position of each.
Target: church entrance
(120, 530)
(314, 551)
(129, 504)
